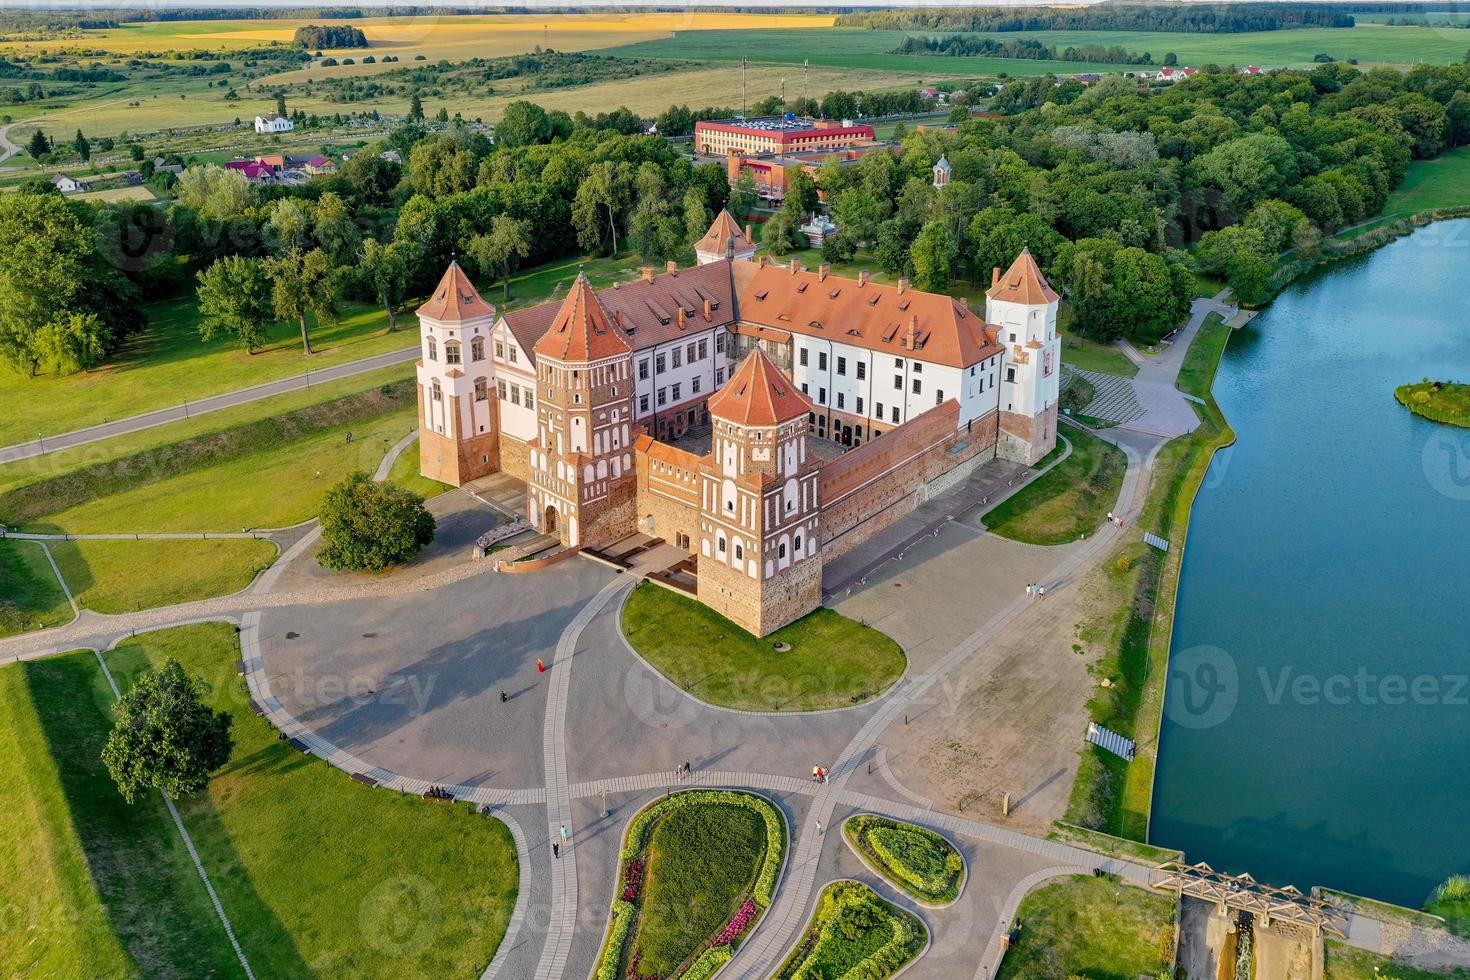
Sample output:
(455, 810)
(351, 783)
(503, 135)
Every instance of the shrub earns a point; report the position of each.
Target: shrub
(1455, 888)
(915, 859)
(368, 526)
(709, 963)
(617, 937)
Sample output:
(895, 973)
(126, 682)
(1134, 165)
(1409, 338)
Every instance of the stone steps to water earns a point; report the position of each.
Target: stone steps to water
(1112, 741)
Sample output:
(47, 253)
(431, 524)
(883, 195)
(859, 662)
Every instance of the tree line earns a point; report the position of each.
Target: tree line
(315, 36)
(1188, 18)
(974, 45)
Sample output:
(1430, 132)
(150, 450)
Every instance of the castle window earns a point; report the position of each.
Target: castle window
(643, 403)
(801, 355)
(862, 370)
(821, 362)
(797, 544)
(720, 343)
(512, 355)
(451, 352)
(721, 545)
(694, 386)
(898, 382)
(918, 386)
(918, 367)
(515, 394)
(659, 365)
(842, 366)
(719, 376)
(678, 356)
(860, 404)
(740, 552)
(433, 349)
(530, 398)
(1010, 374)
(663, 396)
(500, 389)
(822, 396)
(703, 349)
(689, 352)
(895, 414)
(879, 413)
(840, 398)
(477, 349)
(643, 370)
(482, 390)
(781, 550)
(939, 397)
(677, 391)
(438, 392)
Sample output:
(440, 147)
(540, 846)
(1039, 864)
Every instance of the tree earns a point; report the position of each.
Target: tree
(384, 271)
(509, 241)
(523, 124)
(165, 737)
(288, 228)
(801, 189)
(743, 197)
(281, 103)
(369, 526)
(934, 253)
(39, 145)
(215, 193)
(696, 215)
(782, 233)
(415, 109)
(333, 228)
(82, 146)
(302, 284)
(72, 342)
(602, 195)
(235, 300)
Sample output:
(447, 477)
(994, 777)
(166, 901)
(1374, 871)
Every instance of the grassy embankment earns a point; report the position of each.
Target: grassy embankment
(1344, 962)
(833, 661)
(1136, 586)
(30, 596)
(1091, 927)
(1441, 401)
(101, 888)
(1070, 501)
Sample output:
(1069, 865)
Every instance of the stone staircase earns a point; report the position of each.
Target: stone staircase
(1114, 399)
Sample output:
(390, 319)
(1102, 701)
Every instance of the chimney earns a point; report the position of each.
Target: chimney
(823, 270)
(994, 276)
(750, 232)
(672, 267)
(646, 271)
(709, 312)
(911, 339)
(795, 266)
(730, 249)
(679, 317)
(862, 278)
(903, 285)
(762, 260)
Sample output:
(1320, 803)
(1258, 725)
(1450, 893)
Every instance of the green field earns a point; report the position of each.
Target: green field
(833, 662)
(1071, 500)
(1443, 182)
(124, 576)
(1091, 927)
(30, 596)
(853, 47)
(313, 868)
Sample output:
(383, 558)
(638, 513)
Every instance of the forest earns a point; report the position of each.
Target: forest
(316, 37)
(973, 45)
(1190, 18)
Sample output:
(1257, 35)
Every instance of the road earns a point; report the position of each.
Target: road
(78, 437)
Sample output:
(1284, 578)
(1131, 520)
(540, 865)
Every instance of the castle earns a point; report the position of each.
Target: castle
(814, 410)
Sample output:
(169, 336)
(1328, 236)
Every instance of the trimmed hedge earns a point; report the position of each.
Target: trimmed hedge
(849, 920)
(640, 835)
(913, 858)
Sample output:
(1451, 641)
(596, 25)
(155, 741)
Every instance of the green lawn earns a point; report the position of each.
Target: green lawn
(1442, 182)
(271, 473)
(89, 886)
(1197, 373)
(1086, 354)
(322, 875)
(124, 576)
(853, 932)
(405, 473)
(1345, 962)
(915, 859)
(833, 661)
(1073, 499)
(30, 596)
(62, 462)
(701, 861)
(168, 363)
(1091, 927)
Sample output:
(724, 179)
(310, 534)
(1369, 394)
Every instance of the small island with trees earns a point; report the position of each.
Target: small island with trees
(1440, 401)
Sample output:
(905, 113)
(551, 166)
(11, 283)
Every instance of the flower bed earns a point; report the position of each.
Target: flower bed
(915, 859)
(854, 933)
(698, 870)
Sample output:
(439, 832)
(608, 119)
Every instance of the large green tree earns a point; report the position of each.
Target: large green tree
(384, 271)
(934, 253)
(303, 283)
(522, 124)
(501, 250)
(165, 737)
(235, 300)
(369, 526)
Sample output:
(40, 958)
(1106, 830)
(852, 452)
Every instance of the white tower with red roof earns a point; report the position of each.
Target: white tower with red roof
(724, 240)
(1022, 304)
(459, 437)
(760, 561)
(583, 485)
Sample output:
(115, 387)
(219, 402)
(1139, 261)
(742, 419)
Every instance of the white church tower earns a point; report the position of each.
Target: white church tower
(1022, 304)
(459, 425)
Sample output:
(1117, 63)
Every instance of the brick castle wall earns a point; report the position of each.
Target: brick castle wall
(1025, 439)
(515, 458)
(608, 520)
(731, 593)
(453, 461)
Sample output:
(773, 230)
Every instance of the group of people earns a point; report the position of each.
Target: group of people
(438, 793)
(819, 775)
(684, 770)
(1116, 521)
(1036, 590)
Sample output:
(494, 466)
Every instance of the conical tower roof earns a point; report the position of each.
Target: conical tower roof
(758, 394)
(1023, 283)
(721, 231)
(455, 299)
(581, 330)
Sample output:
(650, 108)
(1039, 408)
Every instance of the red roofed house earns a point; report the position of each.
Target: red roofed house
(812, 410)
(319, 165)
(256, 173)
(775, 134)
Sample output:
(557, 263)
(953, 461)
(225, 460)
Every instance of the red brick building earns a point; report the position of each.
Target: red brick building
(776, 134)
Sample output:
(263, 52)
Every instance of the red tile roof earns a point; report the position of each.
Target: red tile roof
(720, 232)
(455, 299)
(758, 394)
(582, 330)
(868, 315)
(1023, 283)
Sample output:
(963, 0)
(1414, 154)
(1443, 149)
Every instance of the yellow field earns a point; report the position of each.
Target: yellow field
(650, 94)
(117, 195)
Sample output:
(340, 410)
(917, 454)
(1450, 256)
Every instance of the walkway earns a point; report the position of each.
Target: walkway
(190, 409)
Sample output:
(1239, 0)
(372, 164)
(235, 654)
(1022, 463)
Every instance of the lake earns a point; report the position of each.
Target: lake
(1317, 727)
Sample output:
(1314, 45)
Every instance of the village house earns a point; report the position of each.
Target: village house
(762, 418)
(69, 185)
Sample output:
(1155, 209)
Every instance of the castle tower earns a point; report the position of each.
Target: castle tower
(1024, 306)
(459, 437)
(724, 240)
(941, 174)
(583, 485)
(760, 561)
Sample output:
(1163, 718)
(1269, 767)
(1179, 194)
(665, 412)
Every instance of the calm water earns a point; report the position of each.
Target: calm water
(1318, 713)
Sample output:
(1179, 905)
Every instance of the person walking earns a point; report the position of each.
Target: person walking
(816, 774)
(503, 697)
(1041, 592)
(540, 666)
(555, 849)
(563, 831)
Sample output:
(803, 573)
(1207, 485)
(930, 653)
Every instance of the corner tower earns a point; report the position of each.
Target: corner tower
(724, 240)
(760, 561)
(583, 485)
(1022, 304)
(459, 438)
